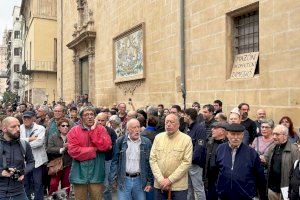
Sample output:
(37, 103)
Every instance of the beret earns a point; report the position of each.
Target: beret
(235, 128)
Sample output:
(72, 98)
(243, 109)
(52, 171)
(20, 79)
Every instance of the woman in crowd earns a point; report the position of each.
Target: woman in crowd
(262, 143)
(57, 147)
(287, 122)
(115, 123)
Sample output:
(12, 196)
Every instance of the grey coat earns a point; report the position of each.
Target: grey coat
(289, 155)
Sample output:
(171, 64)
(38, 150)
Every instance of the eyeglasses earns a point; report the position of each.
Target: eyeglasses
(89, 115)
(64, 125)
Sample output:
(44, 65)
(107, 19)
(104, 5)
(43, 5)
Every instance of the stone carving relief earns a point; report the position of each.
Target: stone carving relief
(130, 86)
(85, 18)
(83, 45)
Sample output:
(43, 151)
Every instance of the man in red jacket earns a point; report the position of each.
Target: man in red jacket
(87, 146)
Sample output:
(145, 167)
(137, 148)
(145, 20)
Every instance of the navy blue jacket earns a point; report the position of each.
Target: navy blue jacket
(244, 178)
(14, 159)
(198, 134)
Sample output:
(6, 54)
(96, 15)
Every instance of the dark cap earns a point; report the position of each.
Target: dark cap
(235, 128)
(28, 114)
(220, 125)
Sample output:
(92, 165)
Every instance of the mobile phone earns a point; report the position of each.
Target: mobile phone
(129, 101)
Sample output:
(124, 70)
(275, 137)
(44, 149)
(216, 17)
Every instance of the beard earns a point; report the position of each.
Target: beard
(13, 136)
(245, 115)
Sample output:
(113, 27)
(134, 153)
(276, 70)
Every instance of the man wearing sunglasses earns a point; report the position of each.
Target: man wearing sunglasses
(35, 135)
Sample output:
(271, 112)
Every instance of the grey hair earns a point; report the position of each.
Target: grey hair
(151, 110)
(115, 119)
(270, 122)
(283, 128)
(86, 108)
(45, 108)
(130, 122)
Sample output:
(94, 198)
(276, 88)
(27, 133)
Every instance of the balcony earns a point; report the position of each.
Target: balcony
(31, 66)
(3, 74)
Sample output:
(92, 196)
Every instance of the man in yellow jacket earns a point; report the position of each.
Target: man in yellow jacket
(170, 159)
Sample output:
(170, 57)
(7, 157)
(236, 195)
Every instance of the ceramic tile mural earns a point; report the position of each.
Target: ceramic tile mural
(129, 55)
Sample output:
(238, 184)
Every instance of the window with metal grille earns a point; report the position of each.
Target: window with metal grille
(246, 34)
(17, 35)
(17, 51)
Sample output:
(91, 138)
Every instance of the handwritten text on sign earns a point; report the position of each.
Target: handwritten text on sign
(244, 65)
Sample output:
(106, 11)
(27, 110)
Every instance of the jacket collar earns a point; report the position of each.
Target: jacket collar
(288, 147)
(126, 138)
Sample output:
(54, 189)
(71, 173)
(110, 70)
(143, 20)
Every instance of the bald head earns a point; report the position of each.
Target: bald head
(172, 124)
(8, 120)
(132, 115)
(11, 128)
(261, 114)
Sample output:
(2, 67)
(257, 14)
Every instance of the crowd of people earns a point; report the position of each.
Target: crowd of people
(154, 153)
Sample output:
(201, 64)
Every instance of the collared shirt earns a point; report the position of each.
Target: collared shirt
(133, 156)
(28, 131)
(233, 154)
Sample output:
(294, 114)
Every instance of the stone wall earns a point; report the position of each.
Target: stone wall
(276, 88)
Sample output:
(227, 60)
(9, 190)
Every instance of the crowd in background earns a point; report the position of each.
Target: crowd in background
(208, 170)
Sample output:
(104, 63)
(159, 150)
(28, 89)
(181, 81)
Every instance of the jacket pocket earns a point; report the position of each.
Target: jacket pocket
(177, 153)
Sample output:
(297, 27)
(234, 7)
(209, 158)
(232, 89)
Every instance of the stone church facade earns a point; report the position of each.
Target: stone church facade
(183, 47)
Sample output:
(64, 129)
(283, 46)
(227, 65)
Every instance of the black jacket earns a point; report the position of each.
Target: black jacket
(198, 134)
(113, 137)
(250, 126)
(14, 159)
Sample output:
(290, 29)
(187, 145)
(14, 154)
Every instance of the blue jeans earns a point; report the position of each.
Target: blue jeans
(196, 187)
(17, 197)
(34, 183)
(175, 195)
(107, 190)
(133, 189)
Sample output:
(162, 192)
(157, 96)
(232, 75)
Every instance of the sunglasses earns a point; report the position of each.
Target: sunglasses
(64, 125)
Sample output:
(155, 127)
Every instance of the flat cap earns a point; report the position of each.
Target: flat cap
(28, 114)
(235, 128)
(220, 125)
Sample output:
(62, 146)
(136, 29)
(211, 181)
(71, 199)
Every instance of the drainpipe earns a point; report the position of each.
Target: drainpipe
(61, 50)
(182, 53)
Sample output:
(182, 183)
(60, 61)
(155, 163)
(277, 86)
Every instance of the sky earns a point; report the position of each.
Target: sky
(6, 9)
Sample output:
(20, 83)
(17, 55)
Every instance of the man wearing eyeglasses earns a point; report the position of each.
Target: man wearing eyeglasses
(280, 160)
(87, 146)
(35, 135)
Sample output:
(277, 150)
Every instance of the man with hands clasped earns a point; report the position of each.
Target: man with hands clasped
(170, 159)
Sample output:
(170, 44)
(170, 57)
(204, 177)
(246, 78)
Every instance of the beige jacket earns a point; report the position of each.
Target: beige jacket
(171, 157)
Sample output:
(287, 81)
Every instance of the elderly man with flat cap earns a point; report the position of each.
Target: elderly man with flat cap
(240, 172)
(211, 171)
